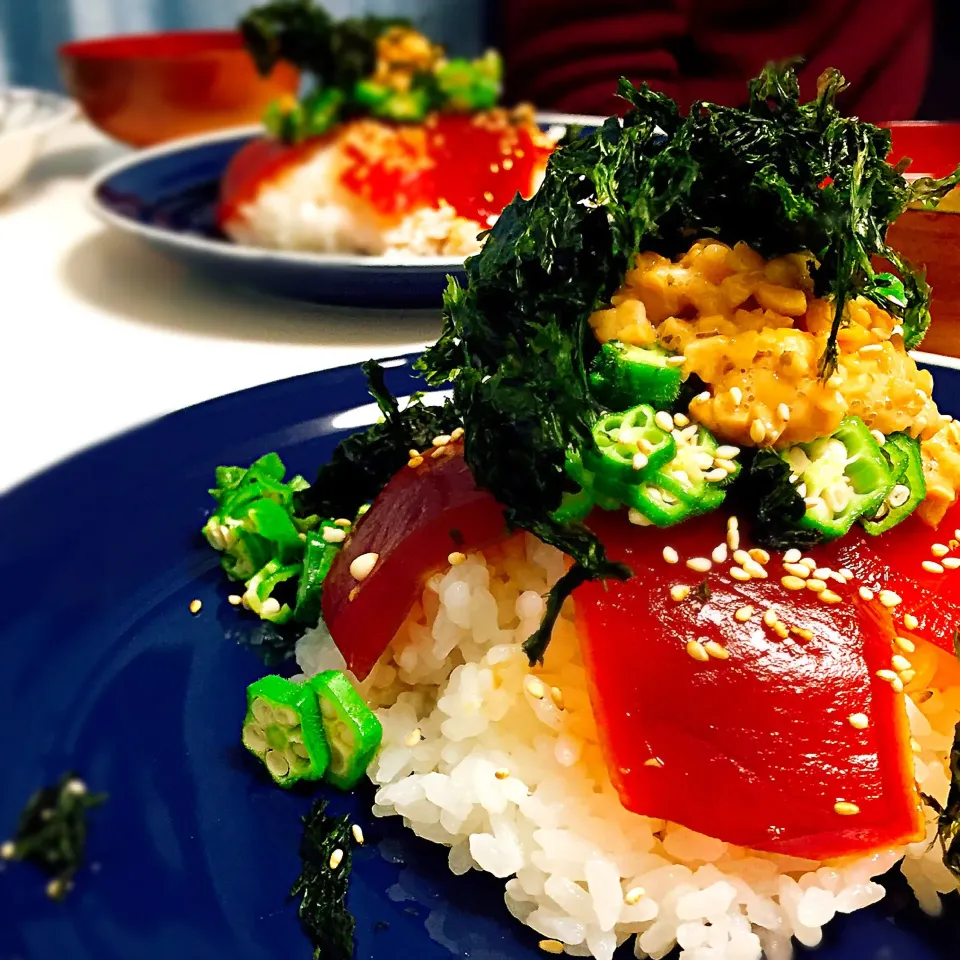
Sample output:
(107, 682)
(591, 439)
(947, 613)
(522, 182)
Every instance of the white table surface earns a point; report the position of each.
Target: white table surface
(100, 333)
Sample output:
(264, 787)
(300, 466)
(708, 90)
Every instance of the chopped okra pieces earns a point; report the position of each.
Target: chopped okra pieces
(840, 478)
(321, 548)
(628, 446)
(283, 729)
(909, 488)
(691, 482)
(623, 375)
(352, 729)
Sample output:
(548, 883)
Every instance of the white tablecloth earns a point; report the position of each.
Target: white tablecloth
(100, 333)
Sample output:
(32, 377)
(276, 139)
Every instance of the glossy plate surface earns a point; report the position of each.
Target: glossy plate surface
(105, 671)
(167, 197)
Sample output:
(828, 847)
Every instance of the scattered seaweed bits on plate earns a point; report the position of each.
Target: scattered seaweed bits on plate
(688, 528)
(396, 148)
(52, 832)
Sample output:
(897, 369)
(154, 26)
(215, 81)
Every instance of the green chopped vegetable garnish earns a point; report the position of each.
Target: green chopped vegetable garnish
(909, 488)
(343, 61)
(623, 375)
(820, 489)
(283, 729)
(352, 730)
(52, 832)
(327, 856)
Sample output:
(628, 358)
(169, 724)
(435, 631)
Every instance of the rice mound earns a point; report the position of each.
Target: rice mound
(481, 757)
(307, 209)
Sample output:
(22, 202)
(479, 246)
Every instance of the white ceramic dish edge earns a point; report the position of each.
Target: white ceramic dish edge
(20, 145)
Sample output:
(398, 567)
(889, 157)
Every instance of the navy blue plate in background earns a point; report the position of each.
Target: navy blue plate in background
(167, 197)
(104, 670)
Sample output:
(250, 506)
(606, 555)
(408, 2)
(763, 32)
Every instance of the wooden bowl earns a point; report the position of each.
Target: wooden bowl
(148, 88)
(931, 238)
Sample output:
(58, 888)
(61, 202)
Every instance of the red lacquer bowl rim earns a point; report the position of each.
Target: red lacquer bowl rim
(169, 46)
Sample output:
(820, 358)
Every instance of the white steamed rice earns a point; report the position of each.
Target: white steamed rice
(516, 786)
(307, 209)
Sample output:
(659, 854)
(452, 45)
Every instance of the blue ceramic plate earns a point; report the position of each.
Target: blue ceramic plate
(105, 671)
(167, 197)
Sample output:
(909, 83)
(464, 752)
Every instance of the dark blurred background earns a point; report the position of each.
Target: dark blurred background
(902, 56)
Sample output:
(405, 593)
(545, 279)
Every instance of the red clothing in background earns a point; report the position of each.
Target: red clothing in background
(568, 54)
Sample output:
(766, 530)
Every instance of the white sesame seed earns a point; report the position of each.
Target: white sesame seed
(821, 573)
(716, 650)
(334, 534)
(556, 695)
(719, 554)
(637, 518)
(676, 361)
(859, 721)
(413, 452)
(639, 461)
(780, 629)
(888, 675)
(415, 462)
(907, 676)
(808, 562)
(632, 896)
(357, 832)
(828, 596)
(784, 411)
(732, 523)
(679, 592)
(439, 452)
(456, 558)
(792, 583)
(900, 663)
(234, 599)
(535, 687)
(816, 585)
(336, 858)
(456, 434)
(846, 574)
(342, 522)
(931, 566)
(8, 850)
(361, 567)
(413, 737)
(951, 563)
(744, 613)
(715, 476)
(741, 556)
(890, 599)
(653, 762)
(681, 420)
(865, 594)
(754, 569)
(797, 569)
(907, 646)
(702, 397)
(910, 621)
(55, 888)
(551, 946)
(663, 420)
(770, 617)
(939, 550)
(699, 564)
(761, 556)
(195, 606)
(738, 573)
(792, 556)
(846, 809)
(733, 538)
(758, 431)
(697, 650)
(736, 394)
(671, 555)
(727, 452)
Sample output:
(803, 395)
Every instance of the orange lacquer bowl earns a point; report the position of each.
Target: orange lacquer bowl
(149, 88)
